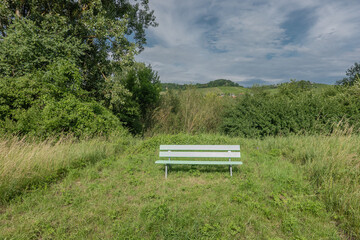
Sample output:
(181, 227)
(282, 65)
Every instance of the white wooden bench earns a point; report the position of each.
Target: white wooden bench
(174, 152)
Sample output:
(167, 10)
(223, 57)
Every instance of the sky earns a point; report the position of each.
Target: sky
(253, 41)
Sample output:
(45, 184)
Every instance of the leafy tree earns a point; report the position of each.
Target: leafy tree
(61, 54)
(218, 83)
(143, 86)
(86, 31)
(28, 48)
(222, 82)
(353, 74)
(295, 87)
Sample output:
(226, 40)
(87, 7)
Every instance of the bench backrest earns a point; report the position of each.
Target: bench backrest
(200, 151)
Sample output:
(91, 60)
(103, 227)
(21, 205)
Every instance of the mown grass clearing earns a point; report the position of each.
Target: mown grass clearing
(125, 196)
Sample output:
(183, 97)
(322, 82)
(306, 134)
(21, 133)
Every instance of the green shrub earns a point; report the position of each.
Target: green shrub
(80, 118)
(293, 110)
(69, 115)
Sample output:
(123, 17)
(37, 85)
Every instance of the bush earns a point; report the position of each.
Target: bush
(51, 102)
(67, 115)
(293, 110)
(80, 118)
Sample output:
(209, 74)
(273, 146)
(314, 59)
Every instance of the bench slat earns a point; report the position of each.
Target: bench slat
(198, 162)
(201, 147)
(201, 154)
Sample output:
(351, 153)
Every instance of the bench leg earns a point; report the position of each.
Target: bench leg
(166, 170)
(230, 168)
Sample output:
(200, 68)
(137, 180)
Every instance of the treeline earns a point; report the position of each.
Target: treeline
(215, 83)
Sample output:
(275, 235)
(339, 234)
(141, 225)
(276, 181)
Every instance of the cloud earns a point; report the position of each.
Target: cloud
(266, 41)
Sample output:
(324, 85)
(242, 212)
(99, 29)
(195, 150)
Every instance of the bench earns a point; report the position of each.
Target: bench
(198, 151)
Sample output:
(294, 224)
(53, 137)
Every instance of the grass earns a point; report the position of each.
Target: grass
(25, 163)
(224, 90)
(288, 188)
(238, 91)
(333, 167)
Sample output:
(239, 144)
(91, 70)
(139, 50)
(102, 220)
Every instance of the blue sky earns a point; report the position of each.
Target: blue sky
(254, 41)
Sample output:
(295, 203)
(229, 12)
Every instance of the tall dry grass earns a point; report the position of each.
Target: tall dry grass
(25, 163)
(188, 111)
(332, 164)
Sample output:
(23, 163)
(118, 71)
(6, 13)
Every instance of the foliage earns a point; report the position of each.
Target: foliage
(295, 87)
(80, 118)
(353, 74)
(28, 47)
(57, 59)
(143, 87)
(294, 109)
(89, 19)
(85, 32)
(218, 83)
(50, 103)
(66, 115)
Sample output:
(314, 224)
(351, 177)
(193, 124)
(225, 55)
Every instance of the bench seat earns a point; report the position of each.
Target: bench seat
(198, 162)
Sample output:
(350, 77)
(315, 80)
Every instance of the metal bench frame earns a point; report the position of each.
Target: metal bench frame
(199, 151)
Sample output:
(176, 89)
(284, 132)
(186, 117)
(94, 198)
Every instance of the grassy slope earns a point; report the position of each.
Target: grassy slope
(272, 196)
(224, 90)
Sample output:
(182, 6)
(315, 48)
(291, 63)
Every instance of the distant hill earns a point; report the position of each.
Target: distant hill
(219, 83)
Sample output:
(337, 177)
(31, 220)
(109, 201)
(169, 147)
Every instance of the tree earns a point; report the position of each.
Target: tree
(222, 82)
(83, 14)
(143, 87)
(98, 29)
(295, 87)
(66, 52)
(353, 74)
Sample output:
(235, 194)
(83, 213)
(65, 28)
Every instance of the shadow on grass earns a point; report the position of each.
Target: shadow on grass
(201, 168)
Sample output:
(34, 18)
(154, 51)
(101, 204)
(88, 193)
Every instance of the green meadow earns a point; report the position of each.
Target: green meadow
(299, 187)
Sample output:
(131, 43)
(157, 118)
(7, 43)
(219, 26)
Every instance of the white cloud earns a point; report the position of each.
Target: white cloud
(199, 41)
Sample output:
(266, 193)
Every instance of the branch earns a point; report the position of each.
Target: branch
(104, 75)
